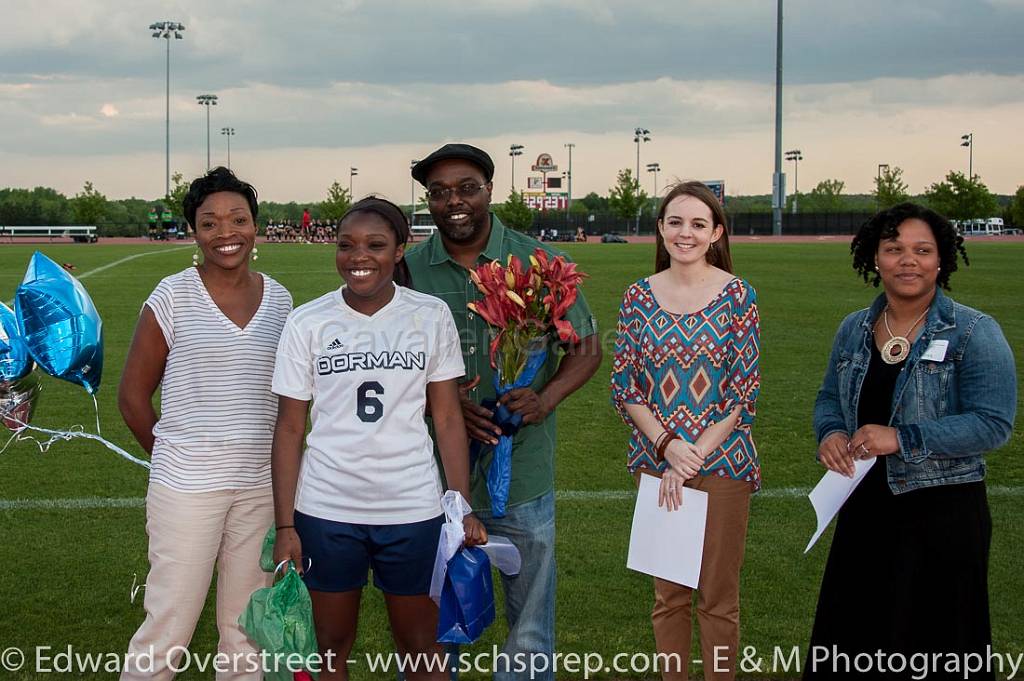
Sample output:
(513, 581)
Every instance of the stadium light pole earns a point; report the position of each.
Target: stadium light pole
(352, 172)
(513, 151)
(968, 141)
(882, 167)
(165, 30)
(654, 168)
(412, 194)
(795, 156)
(639, 135)
(207, 101)
(565, 176)
(228, 132)
(568, 177)
(778, 179)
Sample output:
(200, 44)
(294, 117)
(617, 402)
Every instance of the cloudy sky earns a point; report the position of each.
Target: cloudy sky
(315, 88)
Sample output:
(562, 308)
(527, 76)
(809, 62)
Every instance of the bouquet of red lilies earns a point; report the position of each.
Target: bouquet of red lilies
(523, 304)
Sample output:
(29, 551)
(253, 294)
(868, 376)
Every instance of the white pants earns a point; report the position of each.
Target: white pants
(189, 533)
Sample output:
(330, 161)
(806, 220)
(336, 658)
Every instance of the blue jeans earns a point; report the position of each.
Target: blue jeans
(530, 595)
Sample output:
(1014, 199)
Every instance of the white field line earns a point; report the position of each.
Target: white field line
(103, 268)
(567, 495)
(121, 261)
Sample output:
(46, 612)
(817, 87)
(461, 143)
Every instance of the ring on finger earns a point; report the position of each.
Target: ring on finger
(867, 452)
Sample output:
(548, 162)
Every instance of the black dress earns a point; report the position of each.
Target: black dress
(906, 574)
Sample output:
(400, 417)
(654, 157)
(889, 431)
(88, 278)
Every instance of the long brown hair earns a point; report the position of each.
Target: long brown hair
(718, 254)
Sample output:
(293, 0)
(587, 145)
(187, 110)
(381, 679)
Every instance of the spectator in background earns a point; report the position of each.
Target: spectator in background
(305, 223)
(153, 219)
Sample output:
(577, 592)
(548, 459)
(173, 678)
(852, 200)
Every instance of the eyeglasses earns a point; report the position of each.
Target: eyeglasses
(463, 191)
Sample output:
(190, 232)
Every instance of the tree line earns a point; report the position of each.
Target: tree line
(955, 196)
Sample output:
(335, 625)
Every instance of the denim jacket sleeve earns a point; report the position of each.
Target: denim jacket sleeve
(986, 385)
(828, 409)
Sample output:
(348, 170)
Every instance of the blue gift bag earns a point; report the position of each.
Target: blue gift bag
(467, 598)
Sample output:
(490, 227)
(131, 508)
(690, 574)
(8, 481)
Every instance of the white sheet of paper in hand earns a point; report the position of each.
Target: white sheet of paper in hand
(829, 495)
(668, 544)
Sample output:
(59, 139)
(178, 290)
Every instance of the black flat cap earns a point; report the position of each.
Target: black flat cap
(464, 152)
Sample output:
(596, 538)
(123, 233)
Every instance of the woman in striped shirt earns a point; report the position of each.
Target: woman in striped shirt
(207, 337)
(686, 379)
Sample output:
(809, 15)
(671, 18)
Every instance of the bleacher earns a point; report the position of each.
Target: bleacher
(79, 233)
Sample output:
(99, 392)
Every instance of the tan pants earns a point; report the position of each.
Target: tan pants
(718, 592)
(188, 534)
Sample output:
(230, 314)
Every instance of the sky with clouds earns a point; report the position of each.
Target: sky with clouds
(315, 88)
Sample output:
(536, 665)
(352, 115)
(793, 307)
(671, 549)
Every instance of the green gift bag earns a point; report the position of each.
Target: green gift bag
(279, 619)
(267, 553)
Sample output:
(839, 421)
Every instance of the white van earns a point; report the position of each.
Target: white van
(981, 227)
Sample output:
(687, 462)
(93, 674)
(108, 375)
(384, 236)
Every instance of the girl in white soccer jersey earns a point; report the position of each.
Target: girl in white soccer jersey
(366, 490)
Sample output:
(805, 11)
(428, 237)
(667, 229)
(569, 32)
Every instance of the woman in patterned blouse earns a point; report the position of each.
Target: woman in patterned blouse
(685, 379)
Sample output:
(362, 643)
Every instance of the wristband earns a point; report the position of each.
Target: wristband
(284, 527)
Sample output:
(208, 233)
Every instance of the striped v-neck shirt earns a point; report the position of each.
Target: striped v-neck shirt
(217, 413)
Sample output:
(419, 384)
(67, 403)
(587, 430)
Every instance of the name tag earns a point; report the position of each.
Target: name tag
(936, 350)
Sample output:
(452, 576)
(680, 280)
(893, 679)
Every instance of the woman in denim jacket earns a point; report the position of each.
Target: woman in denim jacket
(923, 386)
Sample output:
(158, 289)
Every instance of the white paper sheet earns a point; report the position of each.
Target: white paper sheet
(668, 544)
(832, 491)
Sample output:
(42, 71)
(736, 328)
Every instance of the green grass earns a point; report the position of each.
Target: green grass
(66, 575)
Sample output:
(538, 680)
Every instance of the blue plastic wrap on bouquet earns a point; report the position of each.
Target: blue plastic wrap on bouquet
(499, 474)
(59, 323)
(467, 598)
(15, 362)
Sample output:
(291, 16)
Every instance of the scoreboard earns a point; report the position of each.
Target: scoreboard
(550, 201)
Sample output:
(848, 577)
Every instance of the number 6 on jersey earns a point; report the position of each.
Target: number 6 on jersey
(368, 408)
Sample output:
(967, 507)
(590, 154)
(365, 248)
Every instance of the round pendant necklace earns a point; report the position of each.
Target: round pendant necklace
(897, 348)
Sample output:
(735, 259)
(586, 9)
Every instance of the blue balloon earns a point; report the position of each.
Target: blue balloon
(15, 362)
(59, 323)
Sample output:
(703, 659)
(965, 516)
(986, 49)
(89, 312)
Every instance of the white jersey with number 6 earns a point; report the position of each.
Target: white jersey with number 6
(368, 457)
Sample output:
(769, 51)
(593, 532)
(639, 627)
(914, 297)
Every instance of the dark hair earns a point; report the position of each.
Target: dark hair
(391, 214)
(718, 254)
(220, 179)
(885, 225)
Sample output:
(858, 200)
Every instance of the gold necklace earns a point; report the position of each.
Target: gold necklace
(897, 348)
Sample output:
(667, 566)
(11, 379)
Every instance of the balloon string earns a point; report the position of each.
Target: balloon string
(12, 438)
(59, 435)
(136, 588)
(96, 409)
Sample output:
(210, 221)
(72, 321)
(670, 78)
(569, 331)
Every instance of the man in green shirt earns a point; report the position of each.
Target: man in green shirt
(151, 219)
(458, 182)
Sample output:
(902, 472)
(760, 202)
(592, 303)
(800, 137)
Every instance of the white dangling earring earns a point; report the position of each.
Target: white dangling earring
(195, 257)
(255, 254)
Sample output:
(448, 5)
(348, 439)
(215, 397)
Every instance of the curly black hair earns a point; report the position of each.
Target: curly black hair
(220, 179)
(885, 225)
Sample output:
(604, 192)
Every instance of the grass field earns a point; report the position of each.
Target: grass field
(66, 572)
